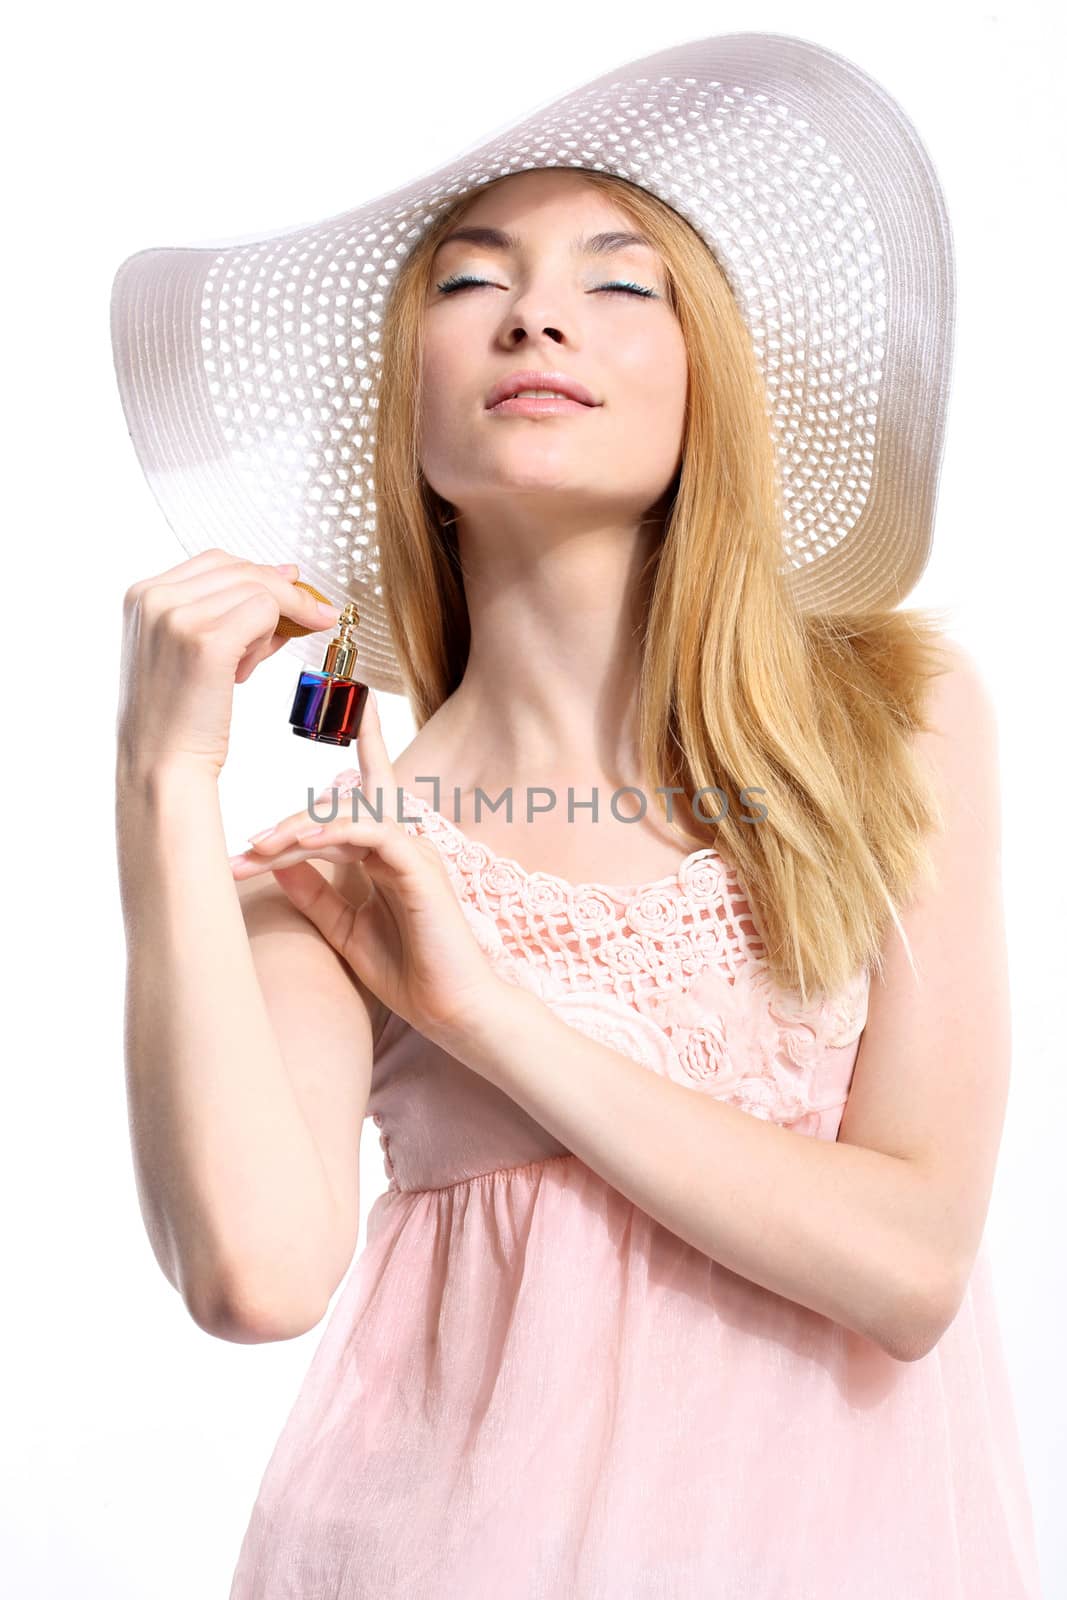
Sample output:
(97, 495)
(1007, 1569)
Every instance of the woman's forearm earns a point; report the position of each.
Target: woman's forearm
(838, 1228)
(220, 1146)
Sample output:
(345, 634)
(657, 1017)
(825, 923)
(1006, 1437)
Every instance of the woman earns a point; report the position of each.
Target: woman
(690, 1126)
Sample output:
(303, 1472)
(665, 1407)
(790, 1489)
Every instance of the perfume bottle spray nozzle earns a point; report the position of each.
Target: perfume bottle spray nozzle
(341, 652)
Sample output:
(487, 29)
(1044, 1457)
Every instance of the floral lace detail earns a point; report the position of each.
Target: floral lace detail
(670, 973)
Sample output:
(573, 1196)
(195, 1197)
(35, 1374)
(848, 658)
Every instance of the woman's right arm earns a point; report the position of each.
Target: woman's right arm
(248, 1049)
(248, 1042)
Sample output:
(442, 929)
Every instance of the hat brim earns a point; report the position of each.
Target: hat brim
(248, 371)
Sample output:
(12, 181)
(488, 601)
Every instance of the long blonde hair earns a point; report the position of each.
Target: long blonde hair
(739, 690)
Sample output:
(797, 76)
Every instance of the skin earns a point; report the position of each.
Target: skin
(548, 522)
(879, 1229)
(249, 1045)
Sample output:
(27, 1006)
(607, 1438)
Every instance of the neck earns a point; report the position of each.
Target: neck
(549, 692)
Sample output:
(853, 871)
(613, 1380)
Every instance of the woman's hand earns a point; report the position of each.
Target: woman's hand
(408, 939)
(189, 635)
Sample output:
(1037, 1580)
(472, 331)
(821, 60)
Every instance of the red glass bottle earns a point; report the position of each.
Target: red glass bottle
(328, 705)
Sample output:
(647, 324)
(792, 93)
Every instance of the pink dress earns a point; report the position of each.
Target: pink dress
(528, 1389)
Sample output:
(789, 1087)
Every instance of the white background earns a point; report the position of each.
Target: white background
(134, 1443)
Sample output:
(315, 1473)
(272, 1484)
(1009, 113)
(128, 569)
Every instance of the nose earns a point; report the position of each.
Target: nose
(519, 333)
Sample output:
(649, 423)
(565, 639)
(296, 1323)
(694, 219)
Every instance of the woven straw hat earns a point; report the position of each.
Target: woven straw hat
(248, 373)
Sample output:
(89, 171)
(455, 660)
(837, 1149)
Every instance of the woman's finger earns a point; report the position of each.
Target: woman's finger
(262, 651)
(208, 590)
(325, 806)
(376, 776)
(189, 567)
(316, 898)
(366, 840)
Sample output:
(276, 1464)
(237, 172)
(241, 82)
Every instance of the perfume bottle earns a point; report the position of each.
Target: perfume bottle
(328, 705)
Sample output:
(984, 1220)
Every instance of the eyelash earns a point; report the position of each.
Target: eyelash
(463, 280)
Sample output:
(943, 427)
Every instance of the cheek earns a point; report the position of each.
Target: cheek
(439, 419)
(655, 387)
(434, 358)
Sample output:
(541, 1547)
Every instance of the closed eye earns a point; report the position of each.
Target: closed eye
(465, 281)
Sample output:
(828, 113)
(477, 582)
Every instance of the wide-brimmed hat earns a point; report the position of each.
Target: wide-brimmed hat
(248, 373)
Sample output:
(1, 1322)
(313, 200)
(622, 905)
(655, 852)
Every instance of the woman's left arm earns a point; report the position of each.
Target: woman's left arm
(879, 1230)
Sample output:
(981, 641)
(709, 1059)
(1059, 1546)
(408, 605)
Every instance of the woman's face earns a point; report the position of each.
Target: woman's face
(547, 305)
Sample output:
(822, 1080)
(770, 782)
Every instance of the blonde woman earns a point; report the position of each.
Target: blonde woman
(689, 1051)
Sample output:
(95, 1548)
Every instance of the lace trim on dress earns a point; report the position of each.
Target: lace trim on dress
(670, 972)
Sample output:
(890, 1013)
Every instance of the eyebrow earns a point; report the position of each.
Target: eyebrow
(600, 244)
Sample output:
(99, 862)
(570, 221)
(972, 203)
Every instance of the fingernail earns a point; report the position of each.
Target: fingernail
(254, 838)
(237, 861)
(326, 609)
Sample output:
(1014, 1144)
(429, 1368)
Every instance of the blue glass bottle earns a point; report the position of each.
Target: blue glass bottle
(328, 705)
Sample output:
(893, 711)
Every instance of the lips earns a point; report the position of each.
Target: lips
(557, 381)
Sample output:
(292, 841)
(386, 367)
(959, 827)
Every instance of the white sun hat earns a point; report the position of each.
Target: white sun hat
(248, 372)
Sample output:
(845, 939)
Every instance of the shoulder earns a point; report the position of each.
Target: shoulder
(958, 748)
(959, 726)
(963, 684)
